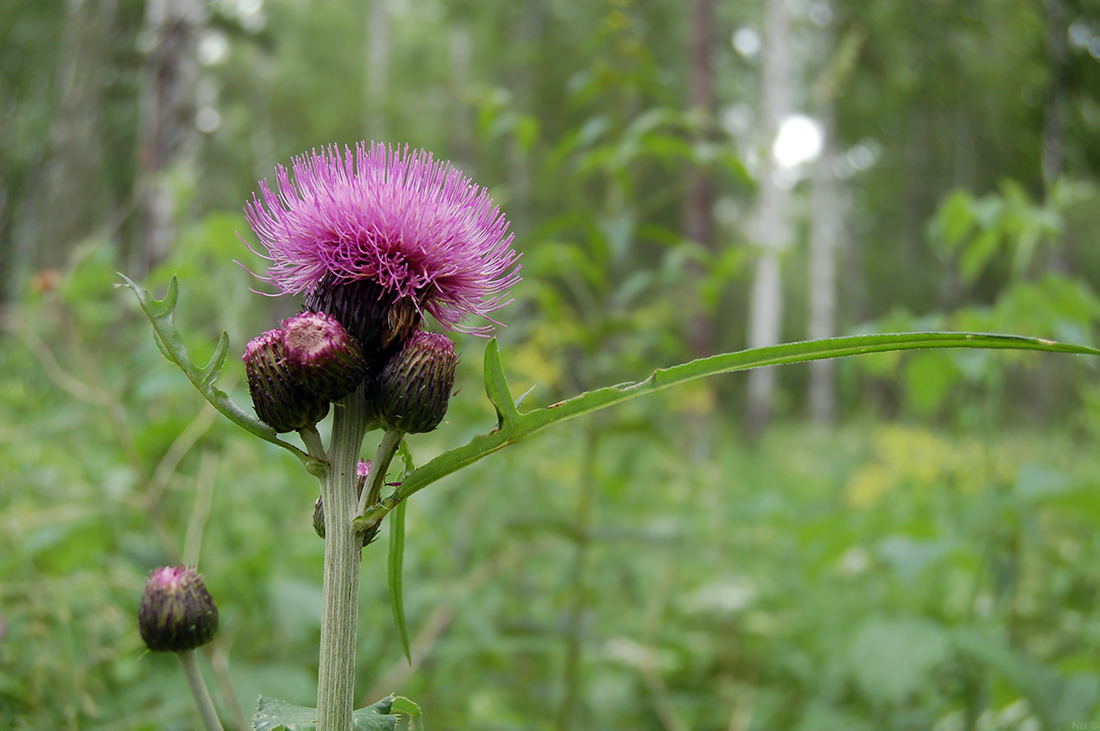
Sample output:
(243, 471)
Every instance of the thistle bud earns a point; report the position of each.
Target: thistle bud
(177, 613)
(279, 399)
(376, 318)
(412, 391)
(321, 356)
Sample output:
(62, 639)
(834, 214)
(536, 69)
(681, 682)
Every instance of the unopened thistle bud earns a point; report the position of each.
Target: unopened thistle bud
(177, 613)
(280, 400)
(321, 355)
(376, 318)
(412, 391)
(362, 470)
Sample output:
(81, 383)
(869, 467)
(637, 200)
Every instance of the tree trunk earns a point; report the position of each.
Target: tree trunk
(168, 127)
(766, 305)
(1051, 371)
(699, 204)
(1054, 110)
(71, 204)
(826, 220)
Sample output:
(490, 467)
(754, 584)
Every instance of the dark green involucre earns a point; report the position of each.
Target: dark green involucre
(412, 392)
(177, 613)
(280, 400)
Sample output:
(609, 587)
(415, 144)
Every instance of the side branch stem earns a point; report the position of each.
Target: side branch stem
(343, 556)
(190, 662)
(390, 443)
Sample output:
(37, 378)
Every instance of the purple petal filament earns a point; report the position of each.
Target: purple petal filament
(415, 225)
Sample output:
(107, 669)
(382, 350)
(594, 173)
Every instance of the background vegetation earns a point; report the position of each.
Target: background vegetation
(915, 546)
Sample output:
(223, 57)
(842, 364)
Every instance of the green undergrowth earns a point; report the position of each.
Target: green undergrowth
(874, 575)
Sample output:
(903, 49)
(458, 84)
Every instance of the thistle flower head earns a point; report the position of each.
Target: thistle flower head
(417, 232)
(177, 612)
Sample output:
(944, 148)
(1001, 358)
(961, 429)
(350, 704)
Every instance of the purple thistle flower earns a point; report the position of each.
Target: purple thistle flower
(415, 229)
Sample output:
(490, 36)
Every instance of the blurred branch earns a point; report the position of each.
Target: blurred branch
(175, 453)
(200, 513)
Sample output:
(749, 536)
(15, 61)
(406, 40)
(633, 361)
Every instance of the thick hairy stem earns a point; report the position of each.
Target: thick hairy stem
(343, 546)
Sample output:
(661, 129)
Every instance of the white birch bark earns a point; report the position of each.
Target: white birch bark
(826, 220)
(771, 230)
(70, 205)
(168, 119)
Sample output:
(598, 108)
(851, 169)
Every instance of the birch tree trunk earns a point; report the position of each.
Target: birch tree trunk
(771, 231)
(71, 204)
(1054, 111)
(826, 220)
(168, 127)
(699, 204)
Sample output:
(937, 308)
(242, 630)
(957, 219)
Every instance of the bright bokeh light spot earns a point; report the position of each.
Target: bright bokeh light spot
(208, 119)
(799, 141)
(861, 157)
(747, 42)
(213, 47)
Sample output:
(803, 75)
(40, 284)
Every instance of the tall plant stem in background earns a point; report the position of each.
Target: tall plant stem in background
(578, 588)
(343, 557)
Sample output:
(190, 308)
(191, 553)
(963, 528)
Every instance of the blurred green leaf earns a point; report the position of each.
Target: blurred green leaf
(876, 650)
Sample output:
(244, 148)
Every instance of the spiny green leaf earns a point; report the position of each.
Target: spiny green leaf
(275, 715)
(396, 558)
(533, 422)
(406, 707)
(213, 368)
(496, 387)
(170, 343)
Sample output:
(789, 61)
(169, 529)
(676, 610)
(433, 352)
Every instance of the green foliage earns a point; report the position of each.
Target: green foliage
(274, 715)
(170, 343)
(931, 568)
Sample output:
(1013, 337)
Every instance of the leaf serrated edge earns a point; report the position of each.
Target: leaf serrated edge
(521, 426)
(170, 343)
(496, 387)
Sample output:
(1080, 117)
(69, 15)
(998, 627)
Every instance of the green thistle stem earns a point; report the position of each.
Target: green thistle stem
(190, 662)
(343, 556)
(390, 443)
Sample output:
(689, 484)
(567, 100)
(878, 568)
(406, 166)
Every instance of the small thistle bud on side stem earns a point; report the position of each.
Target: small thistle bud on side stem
(280, 401)
(177, 612)
(321, 356)
(412, 392)
(178, 615)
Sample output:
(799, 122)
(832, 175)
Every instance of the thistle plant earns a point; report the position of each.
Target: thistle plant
(384, 244)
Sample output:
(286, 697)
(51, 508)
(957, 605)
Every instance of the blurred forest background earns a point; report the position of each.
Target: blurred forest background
(890, 542)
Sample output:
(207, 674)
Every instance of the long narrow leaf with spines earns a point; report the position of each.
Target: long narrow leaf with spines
(396, 560)
(514, 426)
(170, 342)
